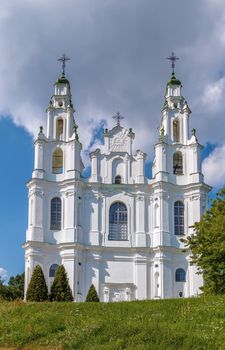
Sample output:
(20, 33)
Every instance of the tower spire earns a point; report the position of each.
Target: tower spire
(173, 59)
(63, 60)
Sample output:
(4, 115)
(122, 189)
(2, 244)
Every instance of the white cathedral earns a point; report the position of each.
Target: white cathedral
(117, 229)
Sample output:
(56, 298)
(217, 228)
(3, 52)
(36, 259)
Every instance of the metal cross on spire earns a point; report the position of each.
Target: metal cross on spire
(63, 59)
(118, 117)
(173, 59)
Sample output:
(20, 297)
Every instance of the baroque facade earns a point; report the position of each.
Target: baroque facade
(117, 229)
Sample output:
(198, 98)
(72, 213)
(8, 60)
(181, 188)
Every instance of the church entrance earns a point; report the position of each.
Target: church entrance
(117, 295)
(118, 292)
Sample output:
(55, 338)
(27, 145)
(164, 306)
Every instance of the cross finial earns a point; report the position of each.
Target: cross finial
(173, 59)
(118, 117)
(63, 59)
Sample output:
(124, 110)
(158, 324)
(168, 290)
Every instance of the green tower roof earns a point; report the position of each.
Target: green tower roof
(173, 80)
(62, 80)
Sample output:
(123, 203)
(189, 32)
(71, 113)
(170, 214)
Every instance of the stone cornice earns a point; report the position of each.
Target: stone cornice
(98, 250)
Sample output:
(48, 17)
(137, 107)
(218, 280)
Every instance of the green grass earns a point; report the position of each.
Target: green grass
(196, 324)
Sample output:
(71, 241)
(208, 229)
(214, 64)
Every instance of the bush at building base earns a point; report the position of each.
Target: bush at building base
(37, 289)
(92, 294)
(60, 290)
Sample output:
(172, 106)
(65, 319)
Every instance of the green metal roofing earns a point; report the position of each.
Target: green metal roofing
(173, 80)
(62, 80)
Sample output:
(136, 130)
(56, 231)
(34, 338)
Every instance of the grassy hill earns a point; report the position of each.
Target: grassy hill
(164, 324)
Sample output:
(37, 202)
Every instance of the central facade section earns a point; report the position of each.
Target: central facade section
(117, 229)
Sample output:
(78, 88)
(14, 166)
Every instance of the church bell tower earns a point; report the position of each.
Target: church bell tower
(54, 189)
(177, 153)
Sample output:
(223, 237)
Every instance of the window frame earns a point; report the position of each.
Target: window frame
(51, 270)
(180, 163)
(61, 168)
(59, 136)
(56, 223)
(176, 130)
(118, 222)
(118, 177)
(180, 275)
(178, 218)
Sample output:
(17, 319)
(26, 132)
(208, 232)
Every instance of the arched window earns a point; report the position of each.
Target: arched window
(52, 270)
(176, 130)
(178, 218)
(178, 163)
(57, 161)
(180, 275)
(118, 222)
(59, 129)
(56, 211)
(118, 179)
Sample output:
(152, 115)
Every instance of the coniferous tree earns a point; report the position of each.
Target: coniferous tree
(37, 289)
(60, 290)
(92, 294)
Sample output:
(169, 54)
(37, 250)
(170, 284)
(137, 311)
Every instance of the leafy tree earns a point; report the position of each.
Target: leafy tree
(37, 289)
(14, 289)
(92, 294)
(60, 290)
(3, 290)
(208, 246)
(16, 286)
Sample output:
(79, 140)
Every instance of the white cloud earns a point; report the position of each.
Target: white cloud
(117, 50)
(3, 273)
(214, 167)
(214, 95)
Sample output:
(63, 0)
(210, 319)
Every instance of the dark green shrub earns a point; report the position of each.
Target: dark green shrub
(60, 290)
(37, 289)
(92, 294)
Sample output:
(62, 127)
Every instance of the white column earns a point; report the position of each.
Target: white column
(140, 167)
(94, 165)
(94, 234)
(50, 131)
(141, 278)
(185, 128)
(38, 159)
(68, 124)
(38, 218)
(140, 221)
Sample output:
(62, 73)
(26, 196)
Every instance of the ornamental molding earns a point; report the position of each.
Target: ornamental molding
(119, 141)
(37, 193)
(140, 197)
(95, 153)
(70, 194)
(195, 197)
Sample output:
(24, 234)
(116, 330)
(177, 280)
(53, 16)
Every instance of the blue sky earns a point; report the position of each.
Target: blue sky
(17, 162)
(117, 50)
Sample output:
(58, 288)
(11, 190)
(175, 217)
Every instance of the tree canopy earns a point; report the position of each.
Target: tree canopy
(208, 246)
(14, 289)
